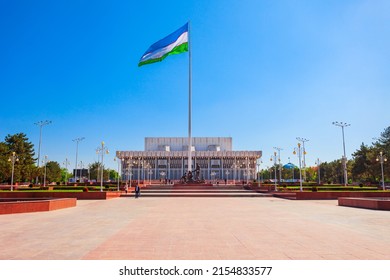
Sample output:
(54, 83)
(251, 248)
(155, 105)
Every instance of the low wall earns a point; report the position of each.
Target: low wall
(336, 195)
(77, 195)
(367, 203)
(13, 207)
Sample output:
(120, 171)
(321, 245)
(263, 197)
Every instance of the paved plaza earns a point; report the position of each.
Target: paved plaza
(198, 228)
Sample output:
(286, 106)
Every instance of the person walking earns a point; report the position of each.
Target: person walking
(137, 191)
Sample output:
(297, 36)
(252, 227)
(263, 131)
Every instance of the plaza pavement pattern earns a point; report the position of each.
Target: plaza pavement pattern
(198, 229)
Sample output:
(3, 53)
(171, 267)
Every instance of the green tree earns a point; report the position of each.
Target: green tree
(383, 145)
(95, 171)
(332, 172)
(113, 174)
(53, 171)
(363, 167)
(5, 169)
(25, 168)
(65, 175)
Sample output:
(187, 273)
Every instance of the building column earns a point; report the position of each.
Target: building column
(169, 167)
(182, 165)
(155, 168)
(208, 168)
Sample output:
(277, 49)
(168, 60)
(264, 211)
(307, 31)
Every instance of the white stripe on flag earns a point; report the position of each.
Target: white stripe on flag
(183, 38)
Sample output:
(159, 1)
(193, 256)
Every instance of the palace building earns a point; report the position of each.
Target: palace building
(167, 158)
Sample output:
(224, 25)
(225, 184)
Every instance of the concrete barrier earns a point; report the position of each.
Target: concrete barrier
(32, 205)
(77, 195)
(378, 203)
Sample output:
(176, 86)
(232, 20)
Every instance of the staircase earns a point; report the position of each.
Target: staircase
(205, 190)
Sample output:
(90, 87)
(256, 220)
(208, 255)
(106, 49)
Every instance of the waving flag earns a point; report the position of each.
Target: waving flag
(174, 43)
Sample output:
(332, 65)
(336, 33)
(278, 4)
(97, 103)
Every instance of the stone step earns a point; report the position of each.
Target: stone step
(193, 188)
(211, 195)
(192, 191)
(197, 190)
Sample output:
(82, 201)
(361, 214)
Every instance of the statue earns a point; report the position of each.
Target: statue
(188, 176)
(197, 172)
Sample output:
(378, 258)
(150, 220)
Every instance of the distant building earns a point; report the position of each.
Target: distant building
(81, 173)
(167, 158)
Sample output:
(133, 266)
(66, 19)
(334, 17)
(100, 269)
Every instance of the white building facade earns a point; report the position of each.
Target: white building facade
(167, 158)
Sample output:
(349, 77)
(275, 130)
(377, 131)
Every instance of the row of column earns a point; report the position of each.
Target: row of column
(140, 168)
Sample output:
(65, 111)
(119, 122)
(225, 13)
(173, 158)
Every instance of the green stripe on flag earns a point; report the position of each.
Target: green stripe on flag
(176, 50)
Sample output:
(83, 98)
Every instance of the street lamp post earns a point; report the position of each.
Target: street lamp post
(129, 169)
(119, 160)
(247, 169)
(259, 162)
(40, 124)
(280, 164)
(239, 172)
(139, 169)
(81, 171)
(150, 172)
(13, 159)
(299, 152)
(227, 175)
(102, 150)
(318, 162)
(66, 163)
(162, 174)
(273, 158)
(342, 125)
(77, 140)
(382, 159)
(44, 176)
(303, 140)
(236, 165)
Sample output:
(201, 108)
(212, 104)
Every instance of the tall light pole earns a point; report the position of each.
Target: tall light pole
(273, 158)
(227, 175)
(318, 162)
(299, 152)
(13, 158)
(342, 125)
(259, 162)
(129, 169)
(66, 163)
(382, 159)
(44, 177)
(247, 170)
(119, 160)
(162, 174)
(235, 166)
(139, 169)
(303, 140)
(77, 140)
(150, 172)
(280, 164)
(40, 124)
(103, 150)
(81, 171)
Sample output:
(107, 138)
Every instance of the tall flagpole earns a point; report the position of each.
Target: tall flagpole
(189, 98)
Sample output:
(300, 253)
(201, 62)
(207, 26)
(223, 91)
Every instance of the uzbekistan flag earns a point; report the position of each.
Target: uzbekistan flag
(174, 43)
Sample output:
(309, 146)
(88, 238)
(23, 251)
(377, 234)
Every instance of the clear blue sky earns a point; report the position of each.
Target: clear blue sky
(264, 73)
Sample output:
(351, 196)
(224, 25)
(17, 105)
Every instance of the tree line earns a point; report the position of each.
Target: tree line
(26, 168)
(363, 167)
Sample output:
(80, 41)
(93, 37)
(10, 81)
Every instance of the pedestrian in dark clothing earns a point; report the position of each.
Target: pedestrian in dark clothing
(137, 191)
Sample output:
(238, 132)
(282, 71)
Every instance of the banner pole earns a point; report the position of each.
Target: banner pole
(189, 98)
